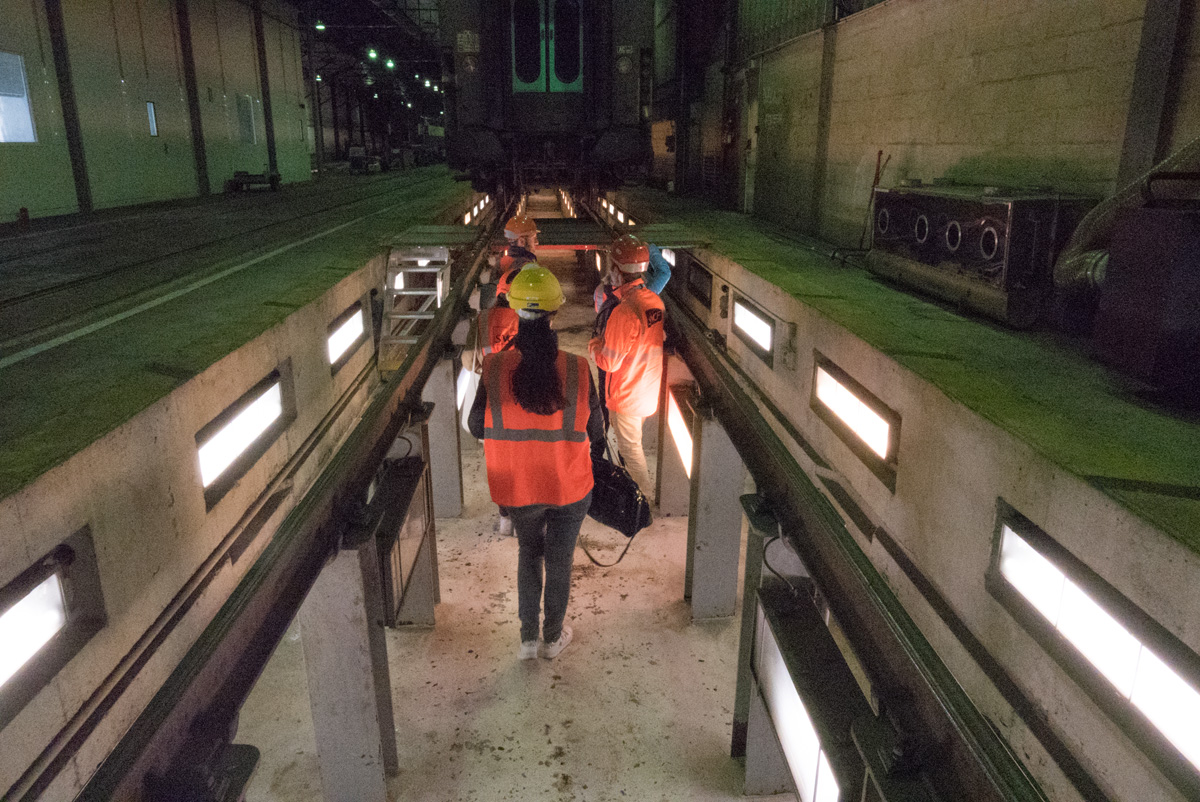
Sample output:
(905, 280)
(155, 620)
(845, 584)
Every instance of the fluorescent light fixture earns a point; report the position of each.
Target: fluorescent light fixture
(793, 726)
(669, 255)
(29, 625)
(220, 450)
(1170, 702)
(428, 83)
(320, 26)
(620, 216)
(372, 54)
(318, 76)
(680, 433)
(399, 285)
(632, 222)
(865, 422)
(466, 218)
(377, 96)
(391, 65)
(345, 336)
(753, 325)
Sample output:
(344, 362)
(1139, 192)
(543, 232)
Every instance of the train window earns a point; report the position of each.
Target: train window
(566, 37)
(528, 35)
(16, 119)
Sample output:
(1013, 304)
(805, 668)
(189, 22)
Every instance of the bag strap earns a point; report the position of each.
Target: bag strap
(611, 564)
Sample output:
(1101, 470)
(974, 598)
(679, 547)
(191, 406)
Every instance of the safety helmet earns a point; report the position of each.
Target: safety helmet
(520, 225)
(535, 289)
(630, 254)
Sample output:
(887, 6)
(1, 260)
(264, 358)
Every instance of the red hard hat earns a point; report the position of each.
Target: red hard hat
(520, 225)
(630, 254)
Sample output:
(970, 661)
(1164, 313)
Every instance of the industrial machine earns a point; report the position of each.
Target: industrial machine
(1148, 318)
(988, 249)
(547, 91)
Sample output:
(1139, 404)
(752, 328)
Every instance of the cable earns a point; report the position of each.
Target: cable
(766, 546)
(605, 565)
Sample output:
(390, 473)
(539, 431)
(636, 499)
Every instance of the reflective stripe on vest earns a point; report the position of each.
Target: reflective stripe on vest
(532, 458)
(567, 433)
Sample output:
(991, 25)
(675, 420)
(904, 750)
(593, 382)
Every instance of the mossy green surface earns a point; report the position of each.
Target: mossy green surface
(1066, 406)
(56, 403)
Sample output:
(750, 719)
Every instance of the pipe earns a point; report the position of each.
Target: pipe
(1082, 264)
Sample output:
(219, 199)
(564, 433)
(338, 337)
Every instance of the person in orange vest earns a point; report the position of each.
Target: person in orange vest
(539, 417)
(491, 332)
(629, 348)
(521, 232)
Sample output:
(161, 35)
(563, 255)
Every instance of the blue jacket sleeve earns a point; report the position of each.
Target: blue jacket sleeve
(659, 271)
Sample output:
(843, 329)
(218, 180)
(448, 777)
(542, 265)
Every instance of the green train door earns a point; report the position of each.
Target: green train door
(547, 45)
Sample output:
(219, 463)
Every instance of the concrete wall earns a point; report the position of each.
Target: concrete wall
(35, 175)
(139, 490)
(953, 466)
(1016, 93)
(124, 55)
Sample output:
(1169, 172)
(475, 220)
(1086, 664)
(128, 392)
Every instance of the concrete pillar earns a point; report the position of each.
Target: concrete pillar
(715, 521)
(348, 684)
(763, 526)
(767, 770)
(445, 465)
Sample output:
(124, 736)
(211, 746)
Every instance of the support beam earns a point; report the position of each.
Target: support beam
(762, 526)
(348, 682)
(715, 522)
(445, 463)
(1152, 82)
(66, 97)
(199, 153)
(264, 83)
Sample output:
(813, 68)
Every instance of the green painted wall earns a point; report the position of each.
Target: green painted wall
(35, 175)
(124, 55)
(288, 105)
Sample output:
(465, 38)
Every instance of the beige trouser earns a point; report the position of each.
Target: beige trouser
(628, 429)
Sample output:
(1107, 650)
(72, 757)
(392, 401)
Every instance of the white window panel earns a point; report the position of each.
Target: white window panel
(793, 726)
(1037, 579)
(680, 433)
(1170, 702)
(345, 336)
(29, 625)
(827, 787)
(16, 116)
(1101, 639)
(220, 450)
(865, 422)
(753, 325)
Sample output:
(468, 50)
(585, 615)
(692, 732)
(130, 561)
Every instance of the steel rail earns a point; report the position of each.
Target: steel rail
(966, 753)
(196, 708)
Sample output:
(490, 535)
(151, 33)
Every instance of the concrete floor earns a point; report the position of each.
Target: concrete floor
(638, 707)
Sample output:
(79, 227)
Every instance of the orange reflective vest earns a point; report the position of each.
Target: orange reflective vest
(495, 331)
(631, 351)
(536, 459)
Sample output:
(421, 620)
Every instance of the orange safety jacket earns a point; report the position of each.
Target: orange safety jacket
(495, 331)
(536, 459)
(630, 351)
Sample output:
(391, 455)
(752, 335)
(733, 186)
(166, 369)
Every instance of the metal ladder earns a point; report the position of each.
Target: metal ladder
(418, 278)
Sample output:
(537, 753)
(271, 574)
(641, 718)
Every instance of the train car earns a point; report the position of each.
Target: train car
(547, 91)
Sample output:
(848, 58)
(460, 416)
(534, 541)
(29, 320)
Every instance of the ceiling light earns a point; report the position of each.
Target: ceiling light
(391, 65)
(320, 26)
(372, 54)
(428, 82)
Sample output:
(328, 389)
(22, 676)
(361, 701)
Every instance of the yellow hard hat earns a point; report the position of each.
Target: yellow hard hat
(535, 289)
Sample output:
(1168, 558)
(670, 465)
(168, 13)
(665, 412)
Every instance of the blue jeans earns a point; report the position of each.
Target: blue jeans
(546, 538)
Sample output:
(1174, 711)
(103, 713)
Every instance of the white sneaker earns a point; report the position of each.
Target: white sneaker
(506, 527)
(528, 650)
(551, 650)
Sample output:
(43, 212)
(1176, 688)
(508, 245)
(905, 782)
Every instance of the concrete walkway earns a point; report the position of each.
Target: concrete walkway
(638, 707)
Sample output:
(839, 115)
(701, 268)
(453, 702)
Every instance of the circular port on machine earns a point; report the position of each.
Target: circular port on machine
(883, 221)
(989, 243)
(953, 236)
(921, 229)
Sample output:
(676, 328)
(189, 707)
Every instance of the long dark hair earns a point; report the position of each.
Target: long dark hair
(536, 384)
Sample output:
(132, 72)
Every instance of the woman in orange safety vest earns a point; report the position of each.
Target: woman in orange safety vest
(539, 417)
